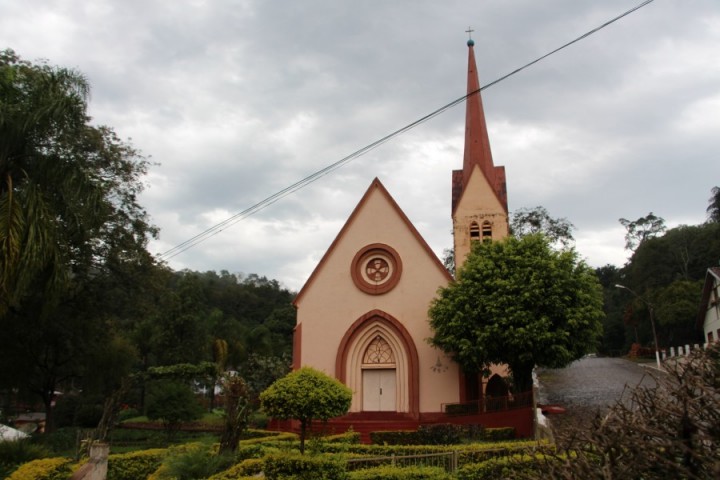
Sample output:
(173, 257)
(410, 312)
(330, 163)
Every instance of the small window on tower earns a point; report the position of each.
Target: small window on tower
(710, 337)
(474, 231)
(486, 231)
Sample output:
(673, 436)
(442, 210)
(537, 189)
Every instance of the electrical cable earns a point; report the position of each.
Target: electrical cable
(219, 227)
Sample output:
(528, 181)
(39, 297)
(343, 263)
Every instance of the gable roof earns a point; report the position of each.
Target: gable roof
(711, 278)
(375, 186)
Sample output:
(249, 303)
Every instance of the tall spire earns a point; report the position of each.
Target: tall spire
(477, 142)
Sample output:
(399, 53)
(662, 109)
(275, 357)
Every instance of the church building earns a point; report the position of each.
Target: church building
(362, 316)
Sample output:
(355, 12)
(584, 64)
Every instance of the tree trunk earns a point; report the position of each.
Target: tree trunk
(522, 378)
(303, 429)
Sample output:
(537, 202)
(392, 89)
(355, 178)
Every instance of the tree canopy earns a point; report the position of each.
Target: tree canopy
(71, 229)
(528, 221)
(521, 303)
(642, 229)
(713, 209)
(306, 394)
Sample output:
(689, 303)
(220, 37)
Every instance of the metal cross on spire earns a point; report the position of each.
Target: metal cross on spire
(469, 32)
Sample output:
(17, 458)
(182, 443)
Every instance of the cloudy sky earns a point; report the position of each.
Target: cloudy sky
(237, 99)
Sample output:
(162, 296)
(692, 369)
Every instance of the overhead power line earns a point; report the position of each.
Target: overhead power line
(219, 227)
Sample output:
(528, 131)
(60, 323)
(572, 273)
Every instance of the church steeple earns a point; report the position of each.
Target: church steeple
(477, 142)
(479, 192)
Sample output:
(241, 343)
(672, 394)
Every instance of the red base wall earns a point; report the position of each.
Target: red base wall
(523, 420)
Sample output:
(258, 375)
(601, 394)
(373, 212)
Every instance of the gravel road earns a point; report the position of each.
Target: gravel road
(589, 385)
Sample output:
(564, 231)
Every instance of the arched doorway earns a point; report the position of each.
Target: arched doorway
(379, 377)
(378, 360)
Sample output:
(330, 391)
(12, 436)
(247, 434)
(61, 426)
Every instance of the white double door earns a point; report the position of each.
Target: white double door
(379, 390)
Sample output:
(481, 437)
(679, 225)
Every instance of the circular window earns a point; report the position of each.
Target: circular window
(376, 269)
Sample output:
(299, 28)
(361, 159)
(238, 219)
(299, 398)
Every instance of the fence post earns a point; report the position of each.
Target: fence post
(454, 461)
(392, 459)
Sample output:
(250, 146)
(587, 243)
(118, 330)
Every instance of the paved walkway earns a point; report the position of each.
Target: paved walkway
(589, 385)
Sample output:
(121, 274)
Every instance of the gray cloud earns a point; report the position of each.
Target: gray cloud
(238, 99)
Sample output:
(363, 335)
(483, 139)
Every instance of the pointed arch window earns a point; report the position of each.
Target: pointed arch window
(474, 231)
(379, 352)
(486, 231)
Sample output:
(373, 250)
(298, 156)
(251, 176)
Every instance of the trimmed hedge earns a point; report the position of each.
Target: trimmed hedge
(475, 452)
(135, 465)
(400, 473)
(303, 467)
(395, 437)
(498, 434)
(276, 438)
(58, 468)
(349, 437)
(527, 466)
(441, 434)
(245, 469)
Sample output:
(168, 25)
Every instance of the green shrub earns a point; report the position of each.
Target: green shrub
(400, 473)
(196, 461)
(440, 434)
(245, 469)
(127, 414)
(303, 467)
(135, 465)
(258, 420)
(349, 437)
(481, 452)
(57, 468)
(13, 454)
(62, 440)
(245, 452)
(78, 411)
(498, 434)
(395, 437)
(172, 403)
(527, 466)
(275, 437)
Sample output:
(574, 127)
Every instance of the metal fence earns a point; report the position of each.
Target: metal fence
(446, 460)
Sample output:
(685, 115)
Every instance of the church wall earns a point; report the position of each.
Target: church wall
(332, 303)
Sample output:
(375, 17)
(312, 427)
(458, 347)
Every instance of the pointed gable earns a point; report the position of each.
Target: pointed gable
(377, 219)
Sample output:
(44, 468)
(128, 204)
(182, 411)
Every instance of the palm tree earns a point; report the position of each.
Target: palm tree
(42, 109)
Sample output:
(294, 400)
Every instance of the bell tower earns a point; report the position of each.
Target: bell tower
(479, 191)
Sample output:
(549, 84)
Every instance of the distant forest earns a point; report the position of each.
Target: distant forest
(666, 271)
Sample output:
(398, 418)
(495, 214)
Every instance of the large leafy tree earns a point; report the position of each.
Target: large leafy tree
(528, 221)
(713, 209)
(72, 233)
(640, 230)
(306, 395)
(521, 303)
